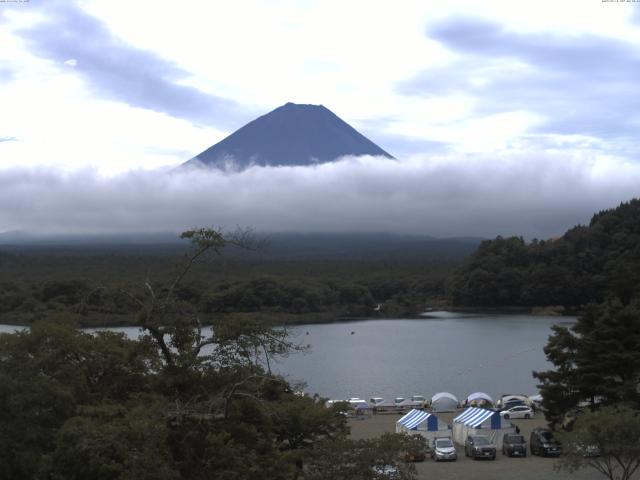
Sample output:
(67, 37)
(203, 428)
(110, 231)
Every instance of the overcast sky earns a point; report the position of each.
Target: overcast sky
(505, 117)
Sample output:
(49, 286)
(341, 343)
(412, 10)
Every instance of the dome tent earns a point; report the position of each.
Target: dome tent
(478, 399)
(444, 402)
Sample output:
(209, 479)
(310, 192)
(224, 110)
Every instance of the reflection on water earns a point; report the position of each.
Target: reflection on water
(443, 351)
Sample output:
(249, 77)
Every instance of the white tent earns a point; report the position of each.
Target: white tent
(419, 422)
(444, 402)
(479, 399)
(481, 421)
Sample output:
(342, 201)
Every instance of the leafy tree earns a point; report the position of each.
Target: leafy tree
(362, 459)
(180, 402)
(607, 440)
(46, 374)
(114, 441)
(596, 360)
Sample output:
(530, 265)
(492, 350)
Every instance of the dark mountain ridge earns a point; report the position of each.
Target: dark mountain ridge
(280, 246)
(292, 134)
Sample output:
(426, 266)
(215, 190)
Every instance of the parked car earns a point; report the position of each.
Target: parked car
(443, 449)
(514, 445)
(512, 403)
(542, 443)
(479, 446)
(415, 455)
(520, 411)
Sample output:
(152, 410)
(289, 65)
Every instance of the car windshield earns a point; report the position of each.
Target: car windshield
(516, 439)
(481, 440)
(443, 443)
(547, 436)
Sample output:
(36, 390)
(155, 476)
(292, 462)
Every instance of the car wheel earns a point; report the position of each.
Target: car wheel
(524, 455)
(527, 416)
(494, 457)
(506, 416)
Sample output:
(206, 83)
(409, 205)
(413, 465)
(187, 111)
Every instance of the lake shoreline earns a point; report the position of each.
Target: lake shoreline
(319, 318)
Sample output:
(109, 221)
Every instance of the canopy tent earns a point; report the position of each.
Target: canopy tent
(479, 399)
(444, 402)
(361, 408)
(419, 422)
(379, 405)
(481, 421)
(417, 401)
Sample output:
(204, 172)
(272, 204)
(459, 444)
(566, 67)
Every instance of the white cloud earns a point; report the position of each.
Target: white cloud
(537, 195)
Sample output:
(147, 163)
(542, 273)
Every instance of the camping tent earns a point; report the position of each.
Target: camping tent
(479, 399)
(419, 422)
(444, 402)
(481, 421)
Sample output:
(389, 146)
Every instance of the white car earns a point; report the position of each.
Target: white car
(520, 411)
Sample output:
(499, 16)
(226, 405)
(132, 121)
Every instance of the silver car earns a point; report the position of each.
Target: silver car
(443, 449)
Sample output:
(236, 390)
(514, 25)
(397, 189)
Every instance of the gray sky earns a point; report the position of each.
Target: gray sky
(505, 117)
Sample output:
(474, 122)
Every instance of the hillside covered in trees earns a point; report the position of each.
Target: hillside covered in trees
(587, 264)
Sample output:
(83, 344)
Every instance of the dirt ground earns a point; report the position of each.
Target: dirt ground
(529, 468)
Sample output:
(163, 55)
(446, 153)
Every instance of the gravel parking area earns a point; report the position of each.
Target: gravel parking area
(529, 468)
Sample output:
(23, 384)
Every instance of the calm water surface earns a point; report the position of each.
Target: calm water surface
(458, 353)
(450, 352)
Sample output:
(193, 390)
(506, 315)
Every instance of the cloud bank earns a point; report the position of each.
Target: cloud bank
(508, 195)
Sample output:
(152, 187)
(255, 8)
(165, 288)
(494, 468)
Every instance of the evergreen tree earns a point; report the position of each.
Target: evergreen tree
(597, 360)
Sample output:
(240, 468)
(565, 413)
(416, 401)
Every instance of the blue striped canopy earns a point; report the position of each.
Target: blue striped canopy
(473, 416)
(414, 418)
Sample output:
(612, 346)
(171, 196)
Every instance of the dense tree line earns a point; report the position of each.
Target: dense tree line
(301, 291)
(586, 264)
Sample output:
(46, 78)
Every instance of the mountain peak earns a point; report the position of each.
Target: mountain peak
(292, 134)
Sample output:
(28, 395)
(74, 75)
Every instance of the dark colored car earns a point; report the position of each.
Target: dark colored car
(414, 455)
(479, 446)
(543, 443)
(514, 445)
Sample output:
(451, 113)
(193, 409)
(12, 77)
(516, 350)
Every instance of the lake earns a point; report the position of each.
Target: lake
(457, 353)
(443, 351)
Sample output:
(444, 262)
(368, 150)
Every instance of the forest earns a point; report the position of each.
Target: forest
(586, 264)
(283, 284)
(88, 283)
